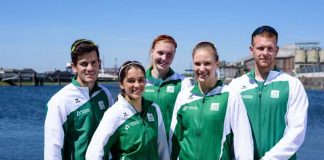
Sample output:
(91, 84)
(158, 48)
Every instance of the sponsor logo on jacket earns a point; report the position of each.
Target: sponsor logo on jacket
(84, 111)
(247, 96)
(190, 108)
(131, 124)
(149, 90)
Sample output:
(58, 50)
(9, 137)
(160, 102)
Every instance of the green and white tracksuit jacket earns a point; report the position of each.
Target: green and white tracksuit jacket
(164, 92)
(130, 135)
(73, 115)
(208, 127)
(277, 111)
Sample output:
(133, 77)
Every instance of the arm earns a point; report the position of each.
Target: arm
(104, 136)
(296, 125)
(53, 133)
(163, 149)
(243, 141)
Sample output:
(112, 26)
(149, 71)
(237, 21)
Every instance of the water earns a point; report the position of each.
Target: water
(22, 115)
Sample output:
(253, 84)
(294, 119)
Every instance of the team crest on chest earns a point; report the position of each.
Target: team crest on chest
(274, 93)
(214, 106)
(170, 89)
(150, 117)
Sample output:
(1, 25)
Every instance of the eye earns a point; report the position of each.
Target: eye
(160, 53)
(197, 64)
(83, 64)
(169, 54)
(141, 80)
(130, 80)
(260, 48)
(95, 62)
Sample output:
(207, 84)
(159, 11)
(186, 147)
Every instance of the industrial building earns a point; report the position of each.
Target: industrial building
(303, 59)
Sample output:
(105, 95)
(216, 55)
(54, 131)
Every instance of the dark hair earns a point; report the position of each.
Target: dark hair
(205, 44)
(81, 47)
(265, 29)
(127, 66)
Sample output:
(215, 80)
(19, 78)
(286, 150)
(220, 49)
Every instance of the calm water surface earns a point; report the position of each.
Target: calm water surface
(22, 115)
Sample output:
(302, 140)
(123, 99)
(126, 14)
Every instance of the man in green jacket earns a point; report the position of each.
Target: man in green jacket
(276, 102)
(75, 111)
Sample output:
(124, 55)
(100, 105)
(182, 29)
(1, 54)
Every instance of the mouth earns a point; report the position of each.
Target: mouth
(202, 75)
(138, 91)
(163, 63)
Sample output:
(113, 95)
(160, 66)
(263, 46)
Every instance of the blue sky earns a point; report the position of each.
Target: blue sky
(38, 34)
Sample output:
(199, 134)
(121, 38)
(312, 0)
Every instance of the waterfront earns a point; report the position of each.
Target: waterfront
(22, 115)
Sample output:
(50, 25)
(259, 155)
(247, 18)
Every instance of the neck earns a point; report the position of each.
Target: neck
(261, 74)
(89, 85)
(206, 87)
(159, 73)
(136, 103)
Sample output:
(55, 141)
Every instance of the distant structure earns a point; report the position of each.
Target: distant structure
(302, 59)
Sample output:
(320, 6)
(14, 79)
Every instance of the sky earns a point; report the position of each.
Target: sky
(38, 34)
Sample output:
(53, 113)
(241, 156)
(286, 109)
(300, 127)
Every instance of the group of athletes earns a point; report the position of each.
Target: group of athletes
(161, 115)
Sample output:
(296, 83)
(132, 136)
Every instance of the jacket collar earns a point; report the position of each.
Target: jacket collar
(77, 84)
(216, 89)
(158, 81)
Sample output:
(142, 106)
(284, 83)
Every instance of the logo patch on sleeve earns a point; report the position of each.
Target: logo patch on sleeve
(214, 107)
(274, 93)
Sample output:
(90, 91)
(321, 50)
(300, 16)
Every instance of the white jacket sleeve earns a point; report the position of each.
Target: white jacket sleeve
(243, 141)
(163, 149)
(296, 125)
(107, 127)
(53, 133)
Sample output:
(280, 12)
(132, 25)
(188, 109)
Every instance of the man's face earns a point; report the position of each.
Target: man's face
(87, 69)
(264, 50)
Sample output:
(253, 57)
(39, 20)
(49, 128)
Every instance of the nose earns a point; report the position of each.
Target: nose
(164, 56)
(91, 66)
(202, 68)
(137, 84)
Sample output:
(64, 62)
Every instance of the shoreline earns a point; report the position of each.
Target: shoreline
(308, 83)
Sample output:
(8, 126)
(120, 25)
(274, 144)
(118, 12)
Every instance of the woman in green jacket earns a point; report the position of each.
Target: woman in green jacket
(162, 83)
(133, 127)
(209, 119)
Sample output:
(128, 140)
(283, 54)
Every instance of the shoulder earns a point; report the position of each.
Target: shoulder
(292, 81)
(106, 90)
(62, 95)
(240, 83)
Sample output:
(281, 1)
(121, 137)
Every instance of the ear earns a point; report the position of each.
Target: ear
(99, 64)
(251, 50)
(121, 85)
(74, 68)
(277, 51)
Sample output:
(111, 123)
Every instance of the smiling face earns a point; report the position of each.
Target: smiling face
(162, 55)
(133, 84)
(87, 69)
(264, 49)
(205, 65)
